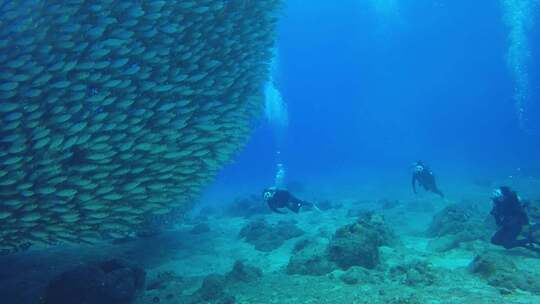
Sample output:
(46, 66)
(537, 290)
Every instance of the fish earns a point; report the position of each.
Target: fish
(127, 111)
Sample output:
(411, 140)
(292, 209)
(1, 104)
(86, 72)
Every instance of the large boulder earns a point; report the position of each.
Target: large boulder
(244, 273)
(353, 245)
(359, 275)
(451, 220)
(358, 244)
(109, 282)
(214, 287)
(163, 279)
(212, 291)
(454, 225)
(444, 243)
(267, 237)
(310, 258)
(376, 223)
(501, 272)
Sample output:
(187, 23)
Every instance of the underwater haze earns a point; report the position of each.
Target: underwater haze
(369, 92)
(270, 151)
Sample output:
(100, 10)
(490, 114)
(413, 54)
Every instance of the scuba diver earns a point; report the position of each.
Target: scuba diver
(277, 198)
(424, 176)
(510, 217)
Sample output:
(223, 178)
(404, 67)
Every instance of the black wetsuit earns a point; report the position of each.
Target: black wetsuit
(284, 199)
(510, 217)
(426, 179)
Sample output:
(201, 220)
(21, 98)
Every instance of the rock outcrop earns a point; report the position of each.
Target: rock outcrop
(108, 282)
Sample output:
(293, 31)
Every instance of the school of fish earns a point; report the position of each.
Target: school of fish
(112, 111)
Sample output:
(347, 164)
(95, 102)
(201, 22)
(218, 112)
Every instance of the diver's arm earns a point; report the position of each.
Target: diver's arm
(413, 181)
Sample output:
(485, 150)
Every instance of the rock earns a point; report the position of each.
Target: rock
(200, 228)
(488, 263)
(267, 237)
(358, 244)
(453, 220)
(163, 279)
(213, 287)
(109, 282)
(288, 230)
(443, 243)
(376, 223)
(358, 275)
(358, 208)
(354, 246)
(301, 244)
(455, 225)
(500, 271)
(244, 273)
(212, 291)
(416, 273)
(310, 258)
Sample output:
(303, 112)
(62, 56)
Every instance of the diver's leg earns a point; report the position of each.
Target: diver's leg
(439, 192)
(534, 234)
(532, 248)
(517, 228)
(521, 243)
(512, 234)
(507, 237)
(432, 187)
(310, 205)
(294, 204)
(499, 237)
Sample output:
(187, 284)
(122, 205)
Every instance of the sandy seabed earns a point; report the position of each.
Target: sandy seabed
(188, 257)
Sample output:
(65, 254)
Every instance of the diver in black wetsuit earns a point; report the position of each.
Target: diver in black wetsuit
(510, 217)
(277, 199)
(424, 176)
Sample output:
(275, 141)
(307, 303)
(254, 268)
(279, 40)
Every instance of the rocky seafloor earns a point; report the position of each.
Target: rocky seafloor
(355, 250)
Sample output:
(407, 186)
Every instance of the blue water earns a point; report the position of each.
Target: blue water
(368, 94)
